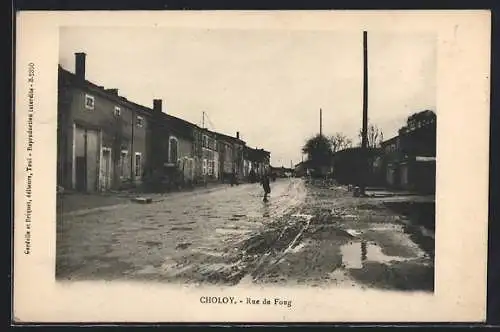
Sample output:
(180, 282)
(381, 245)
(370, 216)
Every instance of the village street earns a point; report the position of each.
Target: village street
(304, 235)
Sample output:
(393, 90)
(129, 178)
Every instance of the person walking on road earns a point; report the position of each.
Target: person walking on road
(266, 186)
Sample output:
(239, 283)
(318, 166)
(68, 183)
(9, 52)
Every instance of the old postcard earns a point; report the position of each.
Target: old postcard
(251, 166)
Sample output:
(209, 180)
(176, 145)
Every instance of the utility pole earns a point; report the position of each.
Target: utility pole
(320, 122)
(364, 135)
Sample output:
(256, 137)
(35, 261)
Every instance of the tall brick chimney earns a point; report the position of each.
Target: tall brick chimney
(238, 135)
(157, 104)
(80, 65)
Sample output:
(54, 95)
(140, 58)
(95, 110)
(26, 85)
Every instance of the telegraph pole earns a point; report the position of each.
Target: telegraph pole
(364, 135)
(320, 122)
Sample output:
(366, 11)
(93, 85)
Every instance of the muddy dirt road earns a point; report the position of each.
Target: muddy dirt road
(304, 235)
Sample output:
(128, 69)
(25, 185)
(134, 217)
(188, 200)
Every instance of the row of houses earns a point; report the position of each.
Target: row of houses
(406, 161)
(107, 142)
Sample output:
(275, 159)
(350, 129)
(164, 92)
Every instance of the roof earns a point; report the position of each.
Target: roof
(106, 93)
(176, 125)
(227, 137)
(255, 154)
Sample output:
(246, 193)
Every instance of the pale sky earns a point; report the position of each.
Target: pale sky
(267, 84)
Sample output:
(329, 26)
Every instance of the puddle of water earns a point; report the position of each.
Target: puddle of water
(353, 232)
(356, 253)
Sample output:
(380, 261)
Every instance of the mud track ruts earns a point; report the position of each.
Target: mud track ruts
(264, 250)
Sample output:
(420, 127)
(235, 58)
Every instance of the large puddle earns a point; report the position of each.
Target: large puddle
(356, 253)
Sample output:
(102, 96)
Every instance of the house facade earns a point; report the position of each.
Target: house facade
(238, 156)
(225, 149)
(107, 142)
(392, 158)
(207, 168)
(230, 156)
(257, 163)
(410, 157)
(102, 137)
(358, 166)
(171, 142)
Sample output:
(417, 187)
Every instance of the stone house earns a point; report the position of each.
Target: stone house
(410, 157)
(171, 145)
(207, 156)
(101, 136)
(257, 161)
(228, 147)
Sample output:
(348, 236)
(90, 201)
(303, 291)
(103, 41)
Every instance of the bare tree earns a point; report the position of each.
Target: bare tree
(374, 135)
(339, 142)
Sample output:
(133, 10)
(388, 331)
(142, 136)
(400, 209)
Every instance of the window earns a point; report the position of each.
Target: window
(138, 164)
(173, 150)
(140, 121)
(117, 111)
(89, 102)
(204, 170)
(205, 141)
(212, 167)
(123, 163)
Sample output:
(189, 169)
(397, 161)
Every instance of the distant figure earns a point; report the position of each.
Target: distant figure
(266, 186)
(233, 179)
(252, 176)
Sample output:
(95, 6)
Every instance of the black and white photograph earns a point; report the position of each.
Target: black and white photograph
(250, 157)
(233, 156)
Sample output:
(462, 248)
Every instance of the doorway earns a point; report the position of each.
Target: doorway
(86, 159)
(106, 173)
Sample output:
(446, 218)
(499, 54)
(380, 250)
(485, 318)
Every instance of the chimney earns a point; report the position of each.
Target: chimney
(80, 65)
(113, 91)
(157, 103)
(238, 135)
